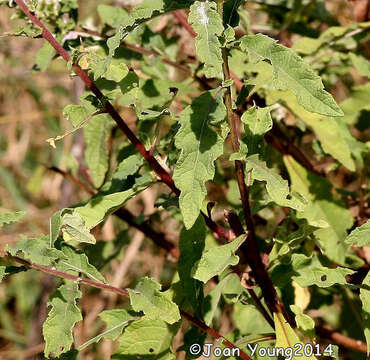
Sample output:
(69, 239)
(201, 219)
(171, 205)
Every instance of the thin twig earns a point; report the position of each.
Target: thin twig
(73, 179)
(108, 107)
(123, 292)
(125, 215)
(250, 247)
(166, 178)
(341, 339)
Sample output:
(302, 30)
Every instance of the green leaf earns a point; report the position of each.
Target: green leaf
(258, 120)
(74, 228)
(101, 206)
(309, 271)
(116, 72)
(149, 339)
(31, 31)
(329, 131)
(76, 114)
(116, 321)
(230, 13)
(200, 146)
(156, 306)
(96, 134)
(56, 222)
(76, 262)
(215, 260)
(305, 324)
(127, 167)
(365, 299)
(10, 270)
(211, 301)
(358, 101)
(291, 73)
(207, 23)
(11, 217)
(323, 211)
(276, 187)
(191, 245)
(361, 64)
(286, 337)
(111, 15)
(63, 316)
(142, 13)
(2, 273)
(360, 236)
(44, 56)
(36, 250)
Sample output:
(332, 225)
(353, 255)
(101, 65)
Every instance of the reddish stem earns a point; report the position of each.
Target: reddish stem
(108, 107)
(123, 292)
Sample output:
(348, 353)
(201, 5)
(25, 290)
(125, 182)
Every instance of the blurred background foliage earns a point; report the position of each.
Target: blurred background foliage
(31, 106)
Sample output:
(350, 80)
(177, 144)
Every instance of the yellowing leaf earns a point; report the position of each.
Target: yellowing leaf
(156, 306)
(286, 338)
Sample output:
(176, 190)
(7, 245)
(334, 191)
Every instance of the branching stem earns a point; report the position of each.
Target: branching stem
(216, 229)
(123, 292)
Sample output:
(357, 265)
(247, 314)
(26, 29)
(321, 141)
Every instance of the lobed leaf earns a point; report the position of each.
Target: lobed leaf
(156, 306)
(207, 23)
(276, 187)
(63, 316)
(215, 260)
(36, 250)
(291, 73)
(11, 217)
(200, 146)
(76, 262)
